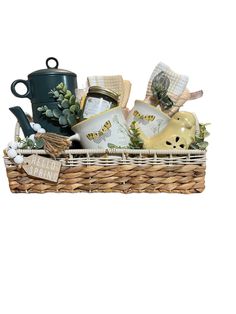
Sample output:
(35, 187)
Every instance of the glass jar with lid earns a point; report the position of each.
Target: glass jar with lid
(99, 99)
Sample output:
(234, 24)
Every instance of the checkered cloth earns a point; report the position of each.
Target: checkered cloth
(178, 82)
(114, 83)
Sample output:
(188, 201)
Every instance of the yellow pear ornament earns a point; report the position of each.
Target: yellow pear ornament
(178, 134)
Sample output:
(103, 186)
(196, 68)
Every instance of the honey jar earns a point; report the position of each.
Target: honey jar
(99, 99)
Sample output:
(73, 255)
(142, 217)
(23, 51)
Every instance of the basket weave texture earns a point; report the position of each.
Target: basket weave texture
(117, 170)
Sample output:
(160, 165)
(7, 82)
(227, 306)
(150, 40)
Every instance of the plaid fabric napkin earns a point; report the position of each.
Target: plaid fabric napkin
(114, 83)
(178, 82)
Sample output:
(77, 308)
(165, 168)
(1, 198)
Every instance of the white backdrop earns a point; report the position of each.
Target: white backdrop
(106, 253)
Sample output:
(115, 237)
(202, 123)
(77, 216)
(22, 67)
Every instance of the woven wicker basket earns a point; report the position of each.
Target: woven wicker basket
(123, 171)
(115, 170)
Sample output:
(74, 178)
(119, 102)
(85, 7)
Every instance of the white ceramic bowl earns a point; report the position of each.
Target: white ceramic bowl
(105, 128)
(151, 120)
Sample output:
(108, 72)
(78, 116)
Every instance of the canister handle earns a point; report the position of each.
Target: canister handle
(14, 92)
(54, 59)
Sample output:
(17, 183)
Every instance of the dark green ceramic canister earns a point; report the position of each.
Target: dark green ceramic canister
(38, 86)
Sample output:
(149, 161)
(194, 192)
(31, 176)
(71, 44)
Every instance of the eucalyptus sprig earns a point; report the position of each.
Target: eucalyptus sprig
(68, 112)
(159, 87)
(134, 135)
(29, 143)
(135, 140)
(199, 141)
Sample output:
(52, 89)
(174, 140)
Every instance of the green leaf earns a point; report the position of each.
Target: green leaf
(62, 121)
(72, 100)
(203, 130)
(56, 94)
(134, 134)
(66, 112)
(73, 108)
(60, 86)
(71, 119)
(193, 146)
(30, 143)
(79, 115)
(203, 145)
(49, 113)
(68, 94)
(198, 139)
(65, 104)
(110, 145)
(78, 109)
(39, 142)
(60, 98)
(40, 109)
(56, 113)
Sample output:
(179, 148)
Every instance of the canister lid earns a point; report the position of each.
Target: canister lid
(52, 70)
(104, 91)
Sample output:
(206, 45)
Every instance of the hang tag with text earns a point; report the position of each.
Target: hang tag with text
(42, 167)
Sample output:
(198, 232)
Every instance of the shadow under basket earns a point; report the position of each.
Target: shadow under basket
(116, 170)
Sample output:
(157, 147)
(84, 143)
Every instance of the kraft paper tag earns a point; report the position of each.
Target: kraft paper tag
(42, 167)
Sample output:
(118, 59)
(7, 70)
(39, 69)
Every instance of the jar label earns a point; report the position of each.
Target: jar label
(95, 105)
